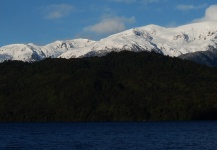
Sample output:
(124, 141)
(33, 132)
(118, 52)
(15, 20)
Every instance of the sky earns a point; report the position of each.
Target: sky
(45, 21)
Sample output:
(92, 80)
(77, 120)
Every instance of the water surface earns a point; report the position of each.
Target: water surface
(115, 135)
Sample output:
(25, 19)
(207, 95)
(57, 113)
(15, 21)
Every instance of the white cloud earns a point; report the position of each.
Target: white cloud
(125, 1)
(109, 25)
(150, 1)
(190, 7)
(171, 25)
(210, 14)
(57, 11)
(133, 1)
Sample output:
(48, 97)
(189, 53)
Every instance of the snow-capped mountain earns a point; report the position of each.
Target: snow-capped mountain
(173, 42)
(24, 52)
(31, 52)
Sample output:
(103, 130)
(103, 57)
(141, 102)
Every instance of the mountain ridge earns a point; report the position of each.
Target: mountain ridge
(174, 42)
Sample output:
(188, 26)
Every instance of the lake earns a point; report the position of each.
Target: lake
(109, 135)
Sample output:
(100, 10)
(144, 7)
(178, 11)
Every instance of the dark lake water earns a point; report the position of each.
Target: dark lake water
(143, 135)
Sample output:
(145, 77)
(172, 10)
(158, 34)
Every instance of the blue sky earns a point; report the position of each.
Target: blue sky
(44, 21)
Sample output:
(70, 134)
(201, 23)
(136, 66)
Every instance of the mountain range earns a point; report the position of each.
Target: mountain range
(195, 41)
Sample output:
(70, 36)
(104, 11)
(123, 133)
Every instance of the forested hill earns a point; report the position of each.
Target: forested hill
(123, 86)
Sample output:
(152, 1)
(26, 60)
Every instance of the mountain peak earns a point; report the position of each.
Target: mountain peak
(174, 41)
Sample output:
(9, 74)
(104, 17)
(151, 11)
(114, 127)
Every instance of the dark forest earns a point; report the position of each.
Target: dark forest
(125, 86)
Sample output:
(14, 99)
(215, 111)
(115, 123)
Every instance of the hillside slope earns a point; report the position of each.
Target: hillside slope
(123, 86)
(208, 58)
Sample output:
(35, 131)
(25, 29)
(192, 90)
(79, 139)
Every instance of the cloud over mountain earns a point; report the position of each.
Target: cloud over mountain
(133, 1)
(210, 14)
(110, 25)
(56, 11)
(184, 7)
